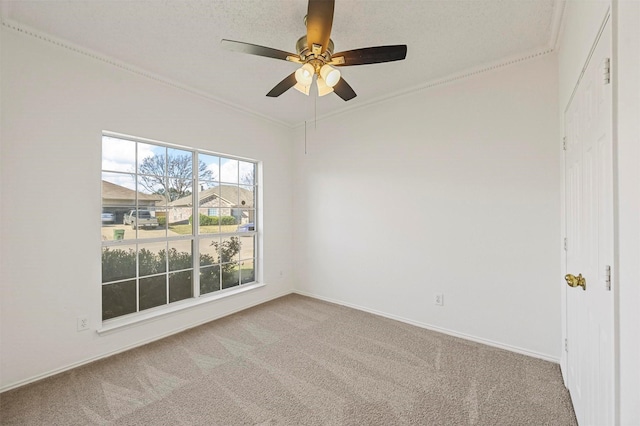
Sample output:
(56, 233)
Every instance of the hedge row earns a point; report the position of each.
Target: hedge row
(215, 220)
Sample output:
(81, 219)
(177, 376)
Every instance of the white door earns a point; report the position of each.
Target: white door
(589, 219)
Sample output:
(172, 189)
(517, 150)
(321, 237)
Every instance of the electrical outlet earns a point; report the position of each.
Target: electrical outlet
(83, 323)
(438, 299)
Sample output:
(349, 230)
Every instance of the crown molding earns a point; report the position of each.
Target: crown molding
(31, 32)
(487, 67)
(470, 72)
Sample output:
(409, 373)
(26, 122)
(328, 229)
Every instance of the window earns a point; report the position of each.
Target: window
(153, 251)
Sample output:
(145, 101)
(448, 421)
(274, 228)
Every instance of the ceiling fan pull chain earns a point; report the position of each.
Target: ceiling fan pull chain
(305, 137)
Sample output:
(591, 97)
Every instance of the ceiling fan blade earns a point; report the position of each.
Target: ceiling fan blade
(370, 55)
(254, 49)
(283, 86)
(343, 90)
(319, 22)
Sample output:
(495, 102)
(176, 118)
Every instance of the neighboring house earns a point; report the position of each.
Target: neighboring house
(223, 200)
(118, 200)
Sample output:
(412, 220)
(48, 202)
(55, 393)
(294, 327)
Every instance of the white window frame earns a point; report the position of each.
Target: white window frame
(196, 299)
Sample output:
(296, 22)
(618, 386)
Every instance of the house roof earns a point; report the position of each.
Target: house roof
(111, 191)
(233, 195)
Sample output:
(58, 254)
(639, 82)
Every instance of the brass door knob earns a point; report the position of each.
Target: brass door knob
(573, 281)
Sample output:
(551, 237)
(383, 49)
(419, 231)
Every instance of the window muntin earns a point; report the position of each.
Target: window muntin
(155, 253)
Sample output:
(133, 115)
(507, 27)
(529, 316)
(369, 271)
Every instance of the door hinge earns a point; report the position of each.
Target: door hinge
(565, 243)
(606, 70)
(564, 143)
(566, 345)
(607, 278)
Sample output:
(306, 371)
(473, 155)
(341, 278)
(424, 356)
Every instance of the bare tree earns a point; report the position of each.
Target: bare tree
(248, 177)
(177, 182)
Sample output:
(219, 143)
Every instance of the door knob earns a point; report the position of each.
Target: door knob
(573, 281)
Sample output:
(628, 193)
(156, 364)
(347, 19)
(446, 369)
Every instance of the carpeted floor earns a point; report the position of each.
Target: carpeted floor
(300, 361)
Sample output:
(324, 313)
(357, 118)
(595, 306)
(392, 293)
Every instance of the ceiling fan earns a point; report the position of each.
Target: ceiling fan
(315, 53)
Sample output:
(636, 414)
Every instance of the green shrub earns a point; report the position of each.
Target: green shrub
(228, 220)
(118, 264)
(214, 221)
(162, 220)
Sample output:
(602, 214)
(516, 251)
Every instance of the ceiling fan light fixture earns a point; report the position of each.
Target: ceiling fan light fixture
(304, 75)
(323, 88)
(330, 75)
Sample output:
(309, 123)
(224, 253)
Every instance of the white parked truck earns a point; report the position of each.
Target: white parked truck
(140, 219)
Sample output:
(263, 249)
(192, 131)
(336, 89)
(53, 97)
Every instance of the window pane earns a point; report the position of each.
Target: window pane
(161, 215)
(118, 263)
(247, 196)
(209, 251)
(152, 258)
(153, 291)
(209, 207)
(208, 184)
(230, 275)
(229, 196)
(246, 220)
(151, 190)
(118, 299)
(247, 246)
(180, 286)
(247, 272)
(228, 249)
(145, 221)
(179, 164)
(118, 189)
(211, 169)
(152, 160)
(209, 279)
(228, 170)
(112, 228)
(247, 173)
(180, 255)
(180, 190)
(118, 155)
(179, 214)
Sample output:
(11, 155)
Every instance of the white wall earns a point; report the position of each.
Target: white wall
(580, 27)
(55, 105)
(454, 190)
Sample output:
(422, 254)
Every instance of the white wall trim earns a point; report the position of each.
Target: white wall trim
(491, 66)
(435, 328)
(452, 78)
(136, 345)
(23, 29)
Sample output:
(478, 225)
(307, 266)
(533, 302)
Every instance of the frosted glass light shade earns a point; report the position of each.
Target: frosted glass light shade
(304, 74)
(330, 75)
(323, 88)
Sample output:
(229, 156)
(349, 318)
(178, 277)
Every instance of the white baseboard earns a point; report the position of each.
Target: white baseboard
(134, 345)
(438, 329)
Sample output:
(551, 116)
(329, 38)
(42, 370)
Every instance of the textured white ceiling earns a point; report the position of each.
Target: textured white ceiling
(180, 41)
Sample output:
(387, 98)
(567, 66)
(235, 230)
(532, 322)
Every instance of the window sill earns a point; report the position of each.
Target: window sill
(117, 324)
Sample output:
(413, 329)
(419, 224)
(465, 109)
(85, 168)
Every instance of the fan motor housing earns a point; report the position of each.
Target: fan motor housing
(302, 47)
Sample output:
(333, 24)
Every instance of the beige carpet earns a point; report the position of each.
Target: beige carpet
(300, 361)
